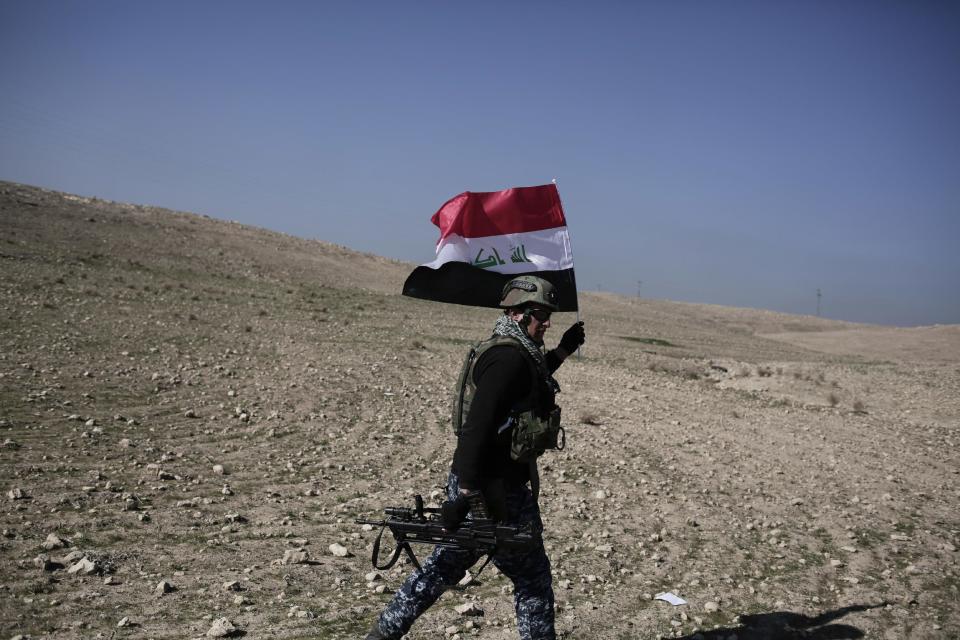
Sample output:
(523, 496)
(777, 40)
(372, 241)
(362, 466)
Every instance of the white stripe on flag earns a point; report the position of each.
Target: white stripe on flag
(545, 250)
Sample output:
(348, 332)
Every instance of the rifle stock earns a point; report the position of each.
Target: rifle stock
(422, 525)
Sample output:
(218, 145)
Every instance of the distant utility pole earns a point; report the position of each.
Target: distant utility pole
(639, 284)
(818, 303)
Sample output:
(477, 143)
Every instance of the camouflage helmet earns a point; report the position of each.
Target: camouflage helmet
(524, 290)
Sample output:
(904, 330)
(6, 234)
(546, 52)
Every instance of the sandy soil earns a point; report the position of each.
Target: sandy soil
(186, 400)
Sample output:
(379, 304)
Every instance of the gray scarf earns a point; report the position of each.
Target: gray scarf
(507, 326)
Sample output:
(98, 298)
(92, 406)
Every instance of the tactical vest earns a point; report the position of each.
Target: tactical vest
(532, 433)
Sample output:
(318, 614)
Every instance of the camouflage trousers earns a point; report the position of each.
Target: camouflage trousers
(529, 571)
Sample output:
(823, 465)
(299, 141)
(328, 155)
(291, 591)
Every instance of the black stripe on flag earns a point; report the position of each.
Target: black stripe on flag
(461, 283)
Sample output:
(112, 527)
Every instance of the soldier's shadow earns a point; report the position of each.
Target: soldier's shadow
(786, 625)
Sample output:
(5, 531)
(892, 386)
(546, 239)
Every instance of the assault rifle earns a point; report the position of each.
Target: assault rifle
(423, 525)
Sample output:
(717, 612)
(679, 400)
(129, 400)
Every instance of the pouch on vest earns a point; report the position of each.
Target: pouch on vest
(533, 435)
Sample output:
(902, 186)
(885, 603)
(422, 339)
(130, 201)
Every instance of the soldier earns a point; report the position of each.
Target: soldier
(504, 417)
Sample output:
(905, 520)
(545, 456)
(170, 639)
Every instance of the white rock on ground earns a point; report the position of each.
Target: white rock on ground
(84, 566)
(295, 556)
(221, 628)
(163, 587)
(339, 550)
(469, 609)
(54, 541)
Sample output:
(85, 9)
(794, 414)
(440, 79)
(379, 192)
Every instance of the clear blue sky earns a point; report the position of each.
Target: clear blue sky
(738, 153)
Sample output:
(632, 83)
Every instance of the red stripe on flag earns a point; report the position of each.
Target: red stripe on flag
(495, 213)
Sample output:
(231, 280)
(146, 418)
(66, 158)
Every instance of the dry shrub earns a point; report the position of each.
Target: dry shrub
(832, 399)
(859, 407)
(590, 418)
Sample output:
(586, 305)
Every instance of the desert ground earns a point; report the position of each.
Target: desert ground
(193, 413)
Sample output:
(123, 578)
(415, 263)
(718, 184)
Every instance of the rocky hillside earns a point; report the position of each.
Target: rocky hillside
(193, 413)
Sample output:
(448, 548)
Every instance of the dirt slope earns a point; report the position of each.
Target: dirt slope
(187, 400)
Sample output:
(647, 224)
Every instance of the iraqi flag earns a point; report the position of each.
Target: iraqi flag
(488, 238)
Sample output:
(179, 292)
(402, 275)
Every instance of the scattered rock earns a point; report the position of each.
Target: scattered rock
(340, 551)
(164, 587)
(54, 541)
(44, 563)
(232, 585)
(469, 609)
(295, 556)
(17, 494)
(711, 607)
(222, 628)
(125, 622)
(85, 567)
(296, 612)
(70, 558)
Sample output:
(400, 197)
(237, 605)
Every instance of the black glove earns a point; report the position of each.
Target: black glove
(573, 337)
(454, 512)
